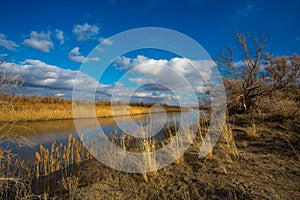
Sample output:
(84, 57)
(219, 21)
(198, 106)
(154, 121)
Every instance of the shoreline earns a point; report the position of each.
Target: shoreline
(38, 112)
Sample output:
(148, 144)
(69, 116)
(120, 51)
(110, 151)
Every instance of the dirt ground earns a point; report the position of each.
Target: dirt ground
(258, 163)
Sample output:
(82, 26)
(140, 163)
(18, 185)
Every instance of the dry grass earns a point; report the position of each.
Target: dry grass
(27, 111)
(279, 105)
(232, 171)
(255, 158)
(13, 185)
(20, 180)
(70, 184)
(43, 111)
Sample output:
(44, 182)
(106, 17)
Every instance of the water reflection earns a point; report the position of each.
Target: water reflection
(44, 132)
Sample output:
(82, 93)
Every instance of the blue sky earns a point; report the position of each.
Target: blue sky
(52, 38)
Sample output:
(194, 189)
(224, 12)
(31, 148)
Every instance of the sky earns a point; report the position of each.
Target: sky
(48, 41)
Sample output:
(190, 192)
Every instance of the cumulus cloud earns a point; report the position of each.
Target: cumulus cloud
(45, 79)
(138, 81)
(168, 80)
(105, 41)
(8, 44)
(40, 41)
(60, 36)
(85, 31)
(152, 96)
(41, 78)
(156, 81)
(76, 56)
(179, 73)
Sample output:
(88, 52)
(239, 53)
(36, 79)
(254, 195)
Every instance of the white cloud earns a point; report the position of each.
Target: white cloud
(179, 73)
(85, 31)
(105, 41)
(162, 80)
(123, 63)
(59, 95)
(8, 44)
(159, 81)
(138, 81)
(40, 41)
(76, 56)
(152, 96)
(44, 79)
(60, 36)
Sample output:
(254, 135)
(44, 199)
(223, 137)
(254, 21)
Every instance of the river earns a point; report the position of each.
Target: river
(44, 132)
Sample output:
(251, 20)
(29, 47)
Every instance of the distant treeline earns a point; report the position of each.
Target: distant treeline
(34, 99)
(61, 100)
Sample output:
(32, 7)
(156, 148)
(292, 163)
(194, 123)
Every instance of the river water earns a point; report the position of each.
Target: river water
(44, 132)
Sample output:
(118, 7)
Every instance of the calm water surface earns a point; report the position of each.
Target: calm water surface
(44, 132)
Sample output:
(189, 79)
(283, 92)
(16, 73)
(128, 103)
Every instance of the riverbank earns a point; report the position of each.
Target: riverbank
(250, 161)
(29, 111)
(240, 167)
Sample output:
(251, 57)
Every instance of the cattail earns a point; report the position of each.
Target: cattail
(56, 150)
(8, 160)
(123, 137)
(22, 163)
(52, 151)
(113, 138)
(28, 172)
(57, 167)
(68, 152)
(37, 160)
(70, 137)
(46, 156)
(52, 162)
(53, 144)
(78, 158)
(16, 161)
(1, 154)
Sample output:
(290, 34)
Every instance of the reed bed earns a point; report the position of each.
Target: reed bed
(37, 108)
(58, 168)
(21, 180)
(42, 111)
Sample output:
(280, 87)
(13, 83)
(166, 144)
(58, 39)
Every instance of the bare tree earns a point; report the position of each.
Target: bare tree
(11, 81)
(8, 82)
(243, 79)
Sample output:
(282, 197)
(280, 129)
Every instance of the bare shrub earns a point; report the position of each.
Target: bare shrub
(70, 184)
(256, 74)
(242, 79)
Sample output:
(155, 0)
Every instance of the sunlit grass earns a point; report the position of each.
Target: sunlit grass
(43, 111)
